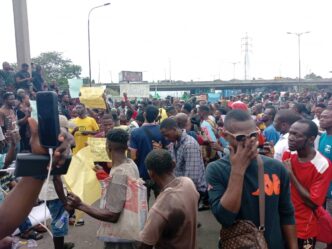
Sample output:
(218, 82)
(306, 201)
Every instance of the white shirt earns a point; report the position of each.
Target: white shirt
(281, 146)
(48, 192)
(316, 144)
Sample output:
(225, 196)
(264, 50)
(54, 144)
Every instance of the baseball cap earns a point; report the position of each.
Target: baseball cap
(239, 105)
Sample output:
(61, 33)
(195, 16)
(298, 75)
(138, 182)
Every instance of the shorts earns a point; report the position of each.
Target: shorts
(57, 208)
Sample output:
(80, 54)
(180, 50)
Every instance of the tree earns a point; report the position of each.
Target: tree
(57, 68)
(312, 76)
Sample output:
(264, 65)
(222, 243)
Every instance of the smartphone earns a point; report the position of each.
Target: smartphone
(48, 119)
(35, 165)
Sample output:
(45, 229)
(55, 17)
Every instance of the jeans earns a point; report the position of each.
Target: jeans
(57, 208)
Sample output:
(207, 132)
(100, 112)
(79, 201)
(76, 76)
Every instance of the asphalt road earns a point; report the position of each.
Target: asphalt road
(84, 237)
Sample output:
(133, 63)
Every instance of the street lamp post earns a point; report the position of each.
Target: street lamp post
(299, 47)
(105, 4)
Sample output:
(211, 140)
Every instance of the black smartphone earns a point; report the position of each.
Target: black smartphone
(36, 165)
(48, 119)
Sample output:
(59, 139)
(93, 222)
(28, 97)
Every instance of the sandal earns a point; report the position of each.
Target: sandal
(31, 235)
(79, 223)
(40, 229)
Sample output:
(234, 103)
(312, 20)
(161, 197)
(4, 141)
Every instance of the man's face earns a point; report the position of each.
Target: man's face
(277, 124)
(65, 98)
(267, 116)
(25, 68)
(329, 104)
(201, 113)
(11, 101)
(240, 128)
(297, 139)
(80, 110)
(318, 112)
(108, 125)
(6, 66)
(217, 114)
(325, 120)
(123, 119)
(170, 134)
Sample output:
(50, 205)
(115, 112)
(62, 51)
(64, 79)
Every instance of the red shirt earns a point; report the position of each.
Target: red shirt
(315, 176)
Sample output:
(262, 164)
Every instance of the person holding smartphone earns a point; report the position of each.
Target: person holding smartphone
(22, 198)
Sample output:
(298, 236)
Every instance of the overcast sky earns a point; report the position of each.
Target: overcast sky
(198, 40)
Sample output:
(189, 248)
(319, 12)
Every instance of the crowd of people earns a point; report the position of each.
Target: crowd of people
(192, 155)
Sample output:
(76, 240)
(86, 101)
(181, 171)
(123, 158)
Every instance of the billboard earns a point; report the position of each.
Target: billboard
(129, 76)
(135, 90)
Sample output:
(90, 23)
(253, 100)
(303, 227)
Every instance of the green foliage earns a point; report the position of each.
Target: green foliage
(57, 68)
(312, 76)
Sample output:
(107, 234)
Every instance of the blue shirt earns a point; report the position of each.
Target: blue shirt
(271, 134)
(325, 147)
(141, 141)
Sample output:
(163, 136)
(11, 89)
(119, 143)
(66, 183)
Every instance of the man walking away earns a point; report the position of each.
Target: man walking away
(142, 141)
(172, 220)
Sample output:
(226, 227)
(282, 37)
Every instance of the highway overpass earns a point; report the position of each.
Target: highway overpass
(233, 84)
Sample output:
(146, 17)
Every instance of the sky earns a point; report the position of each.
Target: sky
(179, 39)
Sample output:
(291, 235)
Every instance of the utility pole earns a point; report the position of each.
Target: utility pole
(246, 44)
(234, 68)
(89, 50)
(299, 48)
(21, 32)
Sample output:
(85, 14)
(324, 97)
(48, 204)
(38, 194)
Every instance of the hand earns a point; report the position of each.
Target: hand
(60, 153)
(73, 200)
(156, 145)
(69, 209)
(216, 146)
(246, 151)
(97, 168)
(13, 137)
(288, 165)
(268, 150)
(75, 130)
(27, 112)
(85, 133)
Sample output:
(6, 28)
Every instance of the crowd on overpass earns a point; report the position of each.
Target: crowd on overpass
(193, 155)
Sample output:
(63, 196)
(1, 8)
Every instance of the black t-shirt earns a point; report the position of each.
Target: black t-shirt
(279, 209)
(37, 81)
(7, 78)
(24, 84)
